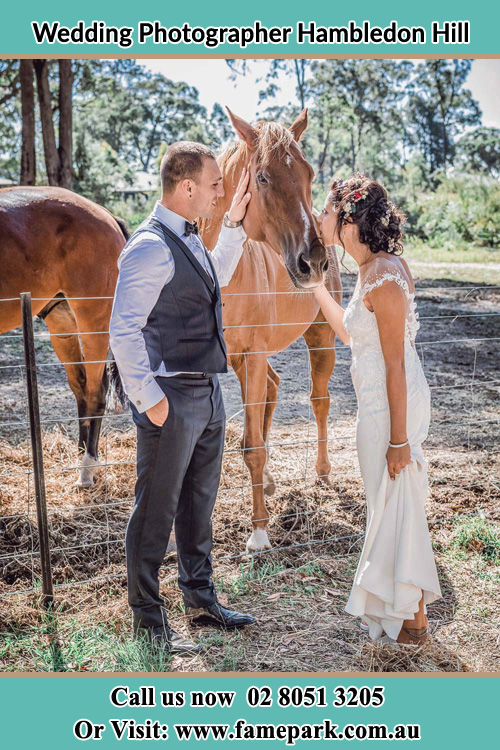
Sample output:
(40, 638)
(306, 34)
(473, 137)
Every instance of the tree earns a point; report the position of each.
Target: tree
(10, 81)
(48, 131)
(439, 108)
(10, 87)
(135, 112)
(367, 96)
(296, 68)
(58, 160)
(168, 111)
(28, 153)
(219, 130)
(65, 171)
(479, 151)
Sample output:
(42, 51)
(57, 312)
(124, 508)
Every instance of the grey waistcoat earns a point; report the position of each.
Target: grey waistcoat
(184, 328)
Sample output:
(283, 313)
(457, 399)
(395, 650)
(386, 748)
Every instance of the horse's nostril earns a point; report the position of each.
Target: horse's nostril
(324, 267)
(304, 265)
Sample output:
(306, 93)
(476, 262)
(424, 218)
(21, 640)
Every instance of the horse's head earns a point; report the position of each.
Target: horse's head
(280, 211)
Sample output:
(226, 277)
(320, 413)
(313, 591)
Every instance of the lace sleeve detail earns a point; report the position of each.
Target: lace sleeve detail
(378, 279)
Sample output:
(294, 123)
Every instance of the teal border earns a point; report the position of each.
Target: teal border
(16, 36)
(457, 711)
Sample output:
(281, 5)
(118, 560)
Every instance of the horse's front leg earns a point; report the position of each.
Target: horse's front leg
(320, 340)
(252, 374)
(273, 381)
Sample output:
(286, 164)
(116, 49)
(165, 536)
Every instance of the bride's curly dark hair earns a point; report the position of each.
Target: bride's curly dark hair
(365, 202)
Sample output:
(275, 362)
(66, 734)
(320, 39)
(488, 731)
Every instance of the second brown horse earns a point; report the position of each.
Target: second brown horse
(63, 249)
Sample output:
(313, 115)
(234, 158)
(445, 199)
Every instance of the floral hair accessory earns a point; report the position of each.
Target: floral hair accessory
(386, 219)
(350, 205)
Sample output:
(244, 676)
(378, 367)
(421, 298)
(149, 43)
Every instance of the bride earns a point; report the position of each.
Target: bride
(396, 576)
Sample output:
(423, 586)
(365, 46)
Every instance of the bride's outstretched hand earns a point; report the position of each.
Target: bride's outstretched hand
(332, 311)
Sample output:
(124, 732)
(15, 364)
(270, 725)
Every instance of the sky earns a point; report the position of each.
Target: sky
(211, 78)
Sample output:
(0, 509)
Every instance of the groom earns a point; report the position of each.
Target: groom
(166, 336)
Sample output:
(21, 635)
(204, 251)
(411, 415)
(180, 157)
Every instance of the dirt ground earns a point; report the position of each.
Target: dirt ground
(316, 530)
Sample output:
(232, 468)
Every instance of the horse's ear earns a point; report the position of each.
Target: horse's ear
(245, 131)
(299, 125)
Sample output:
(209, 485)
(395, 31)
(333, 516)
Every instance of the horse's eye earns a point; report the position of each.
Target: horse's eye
(261, 178)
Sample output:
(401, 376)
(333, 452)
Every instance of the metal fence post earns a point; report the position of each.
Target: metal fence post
(36, 444)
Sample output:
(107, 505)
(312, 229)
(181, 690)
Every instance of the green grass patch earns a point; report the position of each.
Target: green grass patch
(425, 252)
(241, 584)
(69, 646)
(478, 536)
(459, 262)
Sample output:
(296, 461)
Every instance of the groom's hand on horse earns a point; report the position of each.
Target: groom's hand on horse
(241, 197)
(397, 459)
(159, 412)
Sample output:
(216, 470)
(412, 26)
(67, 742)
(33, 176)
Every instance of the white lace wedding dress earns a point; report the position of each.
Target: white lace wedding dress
(397, 561)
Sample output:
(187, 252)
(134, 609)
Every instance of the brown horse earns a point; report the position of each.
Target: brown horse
(266, 304)
(63, 249)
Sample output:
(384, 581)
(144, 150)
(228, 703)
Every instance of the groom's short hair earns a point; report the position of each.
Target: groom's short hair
(183, 160)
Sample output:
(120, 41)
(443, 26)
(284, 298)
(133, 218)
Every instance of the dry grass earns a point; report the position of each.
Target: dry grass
(92, 624)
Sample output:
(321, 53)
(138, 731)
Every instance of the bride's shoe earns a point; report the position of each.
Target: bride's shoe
(364, 626)
(386, 639)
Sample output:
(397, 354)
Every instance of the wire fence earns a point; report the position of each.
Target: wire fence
(462, 368)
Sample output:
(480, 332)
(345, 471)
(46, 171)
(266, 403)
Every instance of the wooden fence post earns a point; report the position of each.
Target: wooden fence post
(36, 444)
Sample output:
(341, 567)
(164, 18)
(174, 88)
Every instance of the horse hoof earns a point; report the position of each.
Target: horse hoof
(86, 478)
(324, 481)
(258, 541)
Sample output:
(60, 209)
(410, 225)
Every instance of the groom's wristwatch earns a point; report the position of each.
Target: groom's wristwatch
(228, 223)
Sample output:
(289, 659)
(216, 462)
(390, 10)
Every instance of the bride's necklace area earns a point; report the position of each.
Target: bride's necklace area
(371, 258)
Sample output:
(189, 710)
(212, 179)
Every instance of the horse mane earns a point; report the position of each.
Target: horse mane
(273, 142)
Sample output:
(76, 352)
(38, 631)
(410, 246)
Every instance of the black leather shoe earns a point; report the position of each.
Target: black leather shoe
(164, 637)
(216, 614)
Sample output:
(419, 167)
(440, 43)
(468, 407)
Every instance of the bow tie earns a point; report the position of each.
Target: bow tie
(191, 228)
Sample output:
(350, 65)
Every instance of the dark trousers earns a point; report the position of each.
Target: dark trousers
(178, 473)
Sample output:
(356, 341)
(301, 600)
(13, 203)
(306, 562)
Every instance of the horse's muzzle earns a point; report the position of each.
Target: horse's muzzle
(307, 271)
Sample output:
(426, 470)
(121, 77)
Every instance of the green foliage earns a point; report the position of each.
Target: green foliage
(439, 108)
(401, 123)
(132, 211)
(10, 111)
(414, 127)
(98, 169)
(122, 114)
(479, 150)
(68, 646)
(479, 536)
(460, 211)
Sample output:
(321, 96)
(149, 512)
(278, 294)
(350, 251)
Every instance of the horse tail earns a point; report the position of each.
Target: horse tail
(116, 398)
(123, 226)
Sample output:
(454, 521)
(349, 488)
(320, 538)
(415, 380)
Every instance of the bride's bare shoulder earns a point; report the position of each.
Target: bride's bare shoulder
(409, 276)
(386, 268)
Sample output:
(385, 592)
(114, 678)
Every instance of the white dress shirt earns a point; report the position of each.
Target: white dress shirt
(145, 266)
